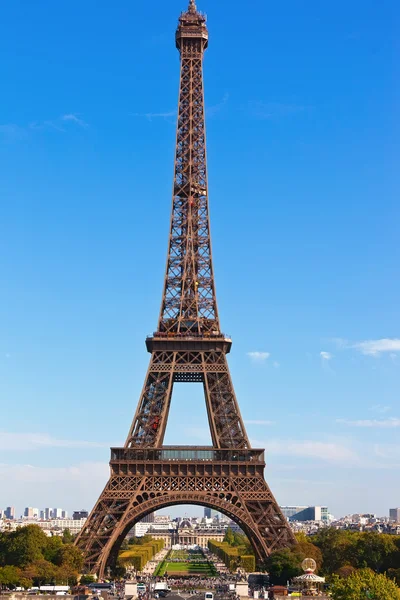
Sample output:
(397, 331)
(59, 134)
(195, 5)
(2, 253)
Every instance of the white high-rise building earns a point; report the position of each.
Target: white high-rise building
(57, 513)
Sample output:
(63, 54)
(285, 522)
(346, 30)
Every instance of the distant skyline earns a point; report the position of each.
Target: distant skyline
(302, 129)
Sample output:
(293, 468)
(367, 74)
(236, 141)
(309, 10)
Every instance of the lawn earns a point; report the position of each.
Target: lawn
(185, 563)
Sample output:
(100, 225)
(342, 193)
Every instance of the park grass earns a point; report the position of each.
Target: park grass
(188, 565)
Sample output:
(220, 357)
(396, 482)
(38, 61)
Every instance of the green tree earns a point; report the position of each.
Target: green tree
(52, 549)
(69, 556)
(283, 565)
(305, 549)
(229, 538)
(68, 537)
(373, 550)
(364, 584)
(11, 576)
(66, 575)
(86, 579)
(395, 575)
(44, 572)
(336, 546)
(25, 545)
(345, 571)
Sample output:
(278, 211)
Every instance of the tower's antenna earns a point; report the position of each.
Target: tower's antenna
(192, 6)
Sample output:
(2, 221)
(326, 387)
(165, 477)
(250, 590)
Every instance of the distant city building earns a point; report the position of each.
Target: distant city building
(57, 526)
(232, 525)
(149, 518)
(64, 514)
(211, 513)
(162, 519)
(289, 511)
(139, 529)
(50, 527)
(394, 515)
(56, 513)
(31, 513)
(186, 534)
(48, 512)
(306, 513)
(9, 513)
(80, 514)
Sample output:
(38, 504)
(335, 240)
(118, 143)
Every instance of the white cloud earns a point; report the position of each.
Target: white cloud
(258, 356)
(326, 451)
(72, 487)
(258, 422)
(74, 119)
(382, 423)
(371, 347)
(35, 441)
(276, 365)
(376, 347)
(326, 355)
(33, 474)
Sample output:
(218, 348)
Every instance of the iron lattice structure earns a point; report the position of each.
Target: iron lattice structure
(188, 346)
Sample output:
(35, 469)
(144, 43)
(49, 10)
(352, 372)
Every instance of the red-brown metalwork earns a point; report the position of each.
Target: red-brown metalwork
(188, 346)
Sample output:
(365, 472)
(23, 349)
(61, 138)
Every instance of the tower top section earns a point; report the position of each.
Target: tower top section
(191, 26)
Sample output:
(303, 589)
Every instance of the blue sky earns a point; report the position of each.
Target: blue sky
(302, 127)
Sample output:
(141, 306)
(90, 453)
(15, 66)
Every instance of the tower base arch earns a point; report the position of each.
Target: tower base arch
(233, 485)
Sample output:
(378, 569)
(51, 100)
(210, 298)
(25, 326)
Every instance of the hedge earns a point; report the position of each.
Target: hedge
(138, 556)
(233, 556)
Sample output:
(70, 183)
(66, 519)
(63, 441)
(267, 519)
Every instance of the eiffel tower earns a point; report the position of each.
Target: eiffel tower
(188, 346)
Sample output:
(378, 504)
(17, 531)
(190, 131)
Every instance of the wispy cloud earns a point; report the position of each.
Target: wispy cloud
(380, 408)
(272, 110)
(154, 115)
(381, 423)
(258, 356)
(213, 110)
(325, 451)
(388, 451)
(36, 441)
(25, 473)
(276, 364)
(10, 132)
(13, 132)
(371, 347)
(40, 125)
(326, 355)
(377, 347)
(74, 118)
(258, 422)
(168, 114)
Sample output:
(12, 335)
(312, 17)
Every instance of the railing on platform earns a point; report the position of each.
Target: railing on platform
(187, 453)
(185, 335)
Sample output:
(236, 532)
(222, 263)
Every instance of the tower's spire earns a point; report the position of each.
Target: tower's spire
(192, 6)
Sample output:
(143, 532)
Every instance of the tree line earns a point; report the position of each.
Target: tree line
(29, 558)
(340, 552)
(355, 564)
